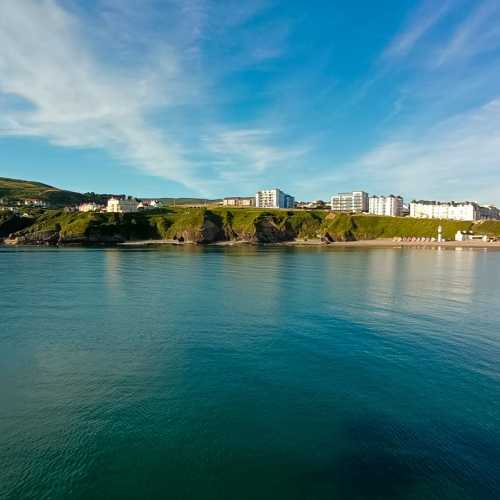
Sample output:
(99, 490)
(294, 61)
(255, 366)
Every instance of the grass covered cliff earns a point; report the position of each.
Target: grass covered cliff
(203, 225)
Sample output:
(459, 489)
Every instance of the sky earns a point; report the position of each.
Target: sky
(216, 98)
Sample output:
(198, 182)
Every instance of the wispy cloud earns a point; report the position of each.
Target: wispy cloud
(422, 21)
(77, 102)
(236, 150)
(458, 157)
(441, 135)
(479, 32)
(98, 84)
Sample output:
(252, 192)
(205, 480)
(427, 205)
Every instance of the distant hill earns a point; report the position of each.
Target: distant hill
(17, 189)
(188, 201)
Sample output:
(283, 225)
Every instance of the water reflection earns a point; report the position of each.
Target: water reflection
(319, 371)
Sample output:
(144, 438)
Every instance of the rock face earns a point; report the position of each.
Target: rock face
(50, 237)
(93, 237)
(37, 238)
(268, 231)
(11, 223)
(207, 232)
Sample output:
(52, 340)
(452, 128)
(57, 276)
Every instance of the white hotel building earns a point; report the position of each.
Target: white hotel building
(356, 201)
(444, 210)
(273, 198)
(391, 206)
(116, 205)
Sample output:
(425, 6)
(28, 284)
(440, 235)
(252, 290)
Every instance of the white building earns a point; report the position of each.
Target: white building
(148, 204)
(357, 201)
(391, 206)
(33, 202)
(273, 198)
(469, 236)
(239, 201)
(444, 210)
(311, 204)
(89, 207)
(116, 205)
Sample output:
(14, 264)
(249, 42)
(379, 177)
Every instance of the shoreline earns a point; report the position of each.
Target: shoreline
(390, 243)
(379, 243)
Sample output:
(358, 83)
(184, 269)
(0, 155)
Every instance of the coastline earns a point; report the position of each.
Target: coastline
(379, 243)
(390, 243)
(375, 243)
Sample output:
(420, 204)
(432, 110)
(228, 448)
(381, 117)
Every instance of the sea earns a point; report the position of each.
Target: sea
(247, 372)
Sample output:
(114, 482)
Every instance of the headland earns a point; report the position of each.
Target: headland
(227, 226)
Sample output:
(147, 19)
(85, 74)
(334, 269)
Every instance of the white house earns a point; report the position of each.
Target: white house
(116, 205)
(148, 204)
(273, 198)
(386, 205)
(467, 236)
(34, 202)
(239, 201)
(89, 207)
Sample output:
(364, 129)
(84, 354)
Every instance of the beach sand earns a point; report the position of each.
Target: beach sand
(381, 243)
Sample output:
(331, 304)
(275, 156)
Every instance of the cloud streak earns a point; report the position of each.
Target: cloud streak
(74, 95)
(441, 135)
(478, 33)
(458, 155)
(75, 101)
(250, 146)
(428, 15)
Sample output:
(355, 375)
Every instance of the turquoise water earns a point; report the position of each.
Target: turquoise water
(249, 373)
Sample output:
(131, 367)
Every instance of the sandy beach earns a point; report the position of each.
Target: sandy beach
(381, 243)
(390, 243)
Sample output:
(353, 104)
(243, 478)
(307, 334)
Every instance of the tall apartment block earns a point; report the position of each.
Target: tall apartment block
(273, 198)
(391, 205)
(356, 201)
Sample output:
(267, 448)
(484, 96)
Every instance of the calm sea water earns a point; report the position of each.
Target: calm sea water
(249, 373)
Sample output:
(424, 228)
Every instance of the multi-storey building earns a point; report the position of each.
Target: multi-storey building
(444, 210)
(488, 212)
(239, 201)
(127, 205)
(356, 201)
(386, 205)
(273, 198)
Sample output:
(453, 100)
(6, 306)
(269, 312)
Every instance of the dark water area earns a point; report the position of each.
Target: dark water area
(249, 373)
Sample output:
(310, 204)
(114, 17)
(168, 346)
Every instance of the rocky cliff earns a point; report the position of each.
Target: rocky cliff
(200, 225)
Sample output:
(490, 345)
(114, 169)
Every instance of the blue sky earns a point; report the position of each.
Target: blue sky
(216, 98)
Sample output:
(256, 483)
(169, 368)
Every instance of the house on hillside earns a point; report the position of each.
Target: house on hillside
(122, 206)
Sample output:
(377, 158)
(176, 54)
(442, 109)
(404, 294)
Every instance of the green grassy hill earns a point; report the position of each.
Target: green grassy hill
(16, 190)
(13, 190)
(203, 225)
